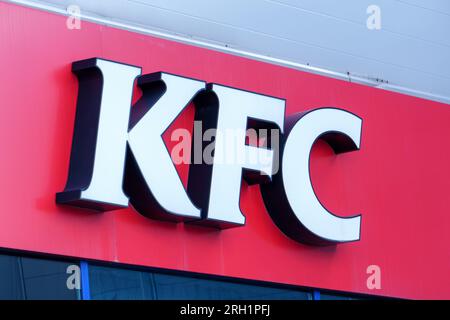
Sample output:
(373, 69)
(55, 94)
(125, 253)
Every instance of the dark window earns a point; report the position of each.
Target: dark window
(11, 286)
(32, 278)
(345, 296)
(110, 283)
(35, 279)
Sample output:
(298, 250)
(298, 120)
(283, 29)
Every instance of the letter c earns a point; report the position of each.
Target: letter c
(290, 198)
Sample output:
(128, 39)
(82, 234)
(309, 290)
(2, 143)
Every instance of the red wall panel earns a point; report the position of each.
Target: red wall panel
(399, 180)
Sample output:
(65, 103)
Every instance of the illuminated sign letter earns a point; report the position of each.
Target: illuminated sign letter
(290, 198)
(104, 128)
(219, 188)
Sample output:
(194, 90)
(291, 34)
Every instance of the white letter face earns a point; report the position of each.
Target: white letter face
(231, 154)
(152, 181)
(290, 199)
(109, 143)
(100, 135)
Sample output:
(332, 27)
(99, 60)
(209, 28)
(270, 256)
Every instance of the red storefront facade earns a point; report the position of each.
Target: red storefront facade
(398, 180)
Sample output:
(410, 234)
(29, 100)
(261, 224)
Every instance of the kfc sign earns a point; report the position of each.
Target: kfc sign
(119, 157)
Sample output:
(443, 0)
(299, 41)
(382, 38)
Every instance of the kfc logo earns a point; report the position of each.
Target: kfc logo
(119, 156)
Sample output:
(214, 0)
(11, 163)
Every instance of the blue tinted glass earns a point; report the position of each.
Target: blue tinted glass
(10, 278)
(343, 296)
(37, 279)
(111, 283)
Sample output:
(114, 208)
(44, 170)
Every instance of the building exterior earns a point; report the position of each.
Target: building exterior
(95, 99)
